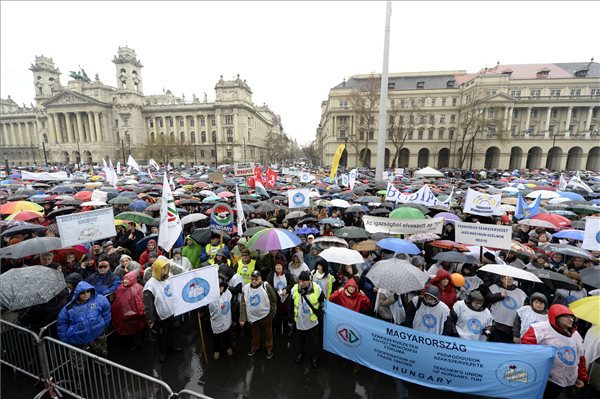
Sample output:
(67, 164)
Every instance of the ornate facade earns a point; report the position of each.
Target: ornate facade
(510, 116)
(89, 120)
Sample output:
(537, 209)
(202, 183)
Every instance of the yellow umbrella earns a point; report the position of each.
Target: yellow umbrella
(587, 308)
(25, 215)
(119, 222)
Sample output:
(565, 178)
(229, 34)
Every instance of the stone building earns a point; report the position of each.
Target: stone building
(88, 120)
(509, 116)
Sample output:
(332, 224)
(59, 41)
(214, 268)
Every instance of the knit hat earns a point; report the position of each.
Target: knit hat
(304, 276)
(107, 244)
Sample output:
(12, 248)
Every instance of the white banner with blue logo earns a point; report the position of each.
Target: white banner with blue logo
(437, 361)
(299, 198)
(194, 289)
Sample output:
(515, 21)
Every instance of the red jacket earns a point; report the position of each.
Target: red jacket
(128, 314)
(357, 301)
(146, 254)
(447, 295)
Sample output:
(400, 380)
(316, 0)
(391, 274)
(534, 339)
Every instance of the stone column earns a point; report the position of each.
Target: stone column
(186, 129)
(22, 137)
(568, 121)
(56, 119)
(509, 122)
(29, 129)
(197, 127)
(588, 121)
(528, 120)
(108, 134)
(51, 129)
(90, 122)
(79, 136)
(9, 134)
(70, 136)
(97, 127)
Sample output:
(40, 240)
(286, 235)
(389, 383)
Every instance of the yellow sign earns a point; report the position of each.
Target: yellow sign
(336, 161)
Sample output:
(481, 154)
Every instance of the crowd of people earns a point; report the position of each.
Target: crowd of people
(121, 283)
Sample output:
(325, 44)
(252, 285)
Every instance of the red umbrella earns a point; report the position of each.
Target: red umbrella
(78, 250)
(84, 196)
(447, 244)
(548, 188)
(558, 221)
(226, 194)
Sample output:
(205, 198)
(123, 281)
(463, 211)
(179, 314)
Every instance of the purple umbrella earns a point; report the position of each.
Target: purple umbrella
(448, 217)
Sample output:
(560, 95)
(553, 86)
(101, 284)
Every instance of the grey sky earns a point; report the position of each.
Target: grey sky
(290, 53)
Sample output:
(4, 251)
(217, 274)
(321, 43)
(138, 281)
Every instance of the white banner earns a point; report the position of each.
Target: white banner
(375, 224)
(299, 198)
(352, 178)
(79, 228)
(345, 180)
(194, 289)
(482, 204)
(243, 169)
(49, 176)
(591, 236)
(485, 235)
(399, 171)
(99, 195)
(424, 197)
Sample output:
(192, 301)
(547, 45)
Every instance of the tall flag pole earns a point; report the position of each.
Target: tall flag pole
(381, 132)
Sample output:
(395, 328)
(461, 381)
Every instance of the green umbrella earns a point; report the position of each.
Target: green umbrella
(136, 217)
(406, 213)
(381, 192)
(253, 230)
(120, 201)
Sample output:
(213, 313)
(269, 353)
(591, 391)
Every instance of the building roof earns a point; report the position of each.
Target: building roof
(555, 71)
(403, 82)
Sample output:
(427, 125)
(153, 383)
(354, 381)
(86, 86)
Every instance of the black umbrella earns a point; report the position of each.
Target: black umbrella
(453, 256)
(33, 246)
(22, 229)
(554, 280)
(60, 211)
(202, 235)
(591, 276)
(253, 230)
(352, 232)
(380, 211)
(308, 220)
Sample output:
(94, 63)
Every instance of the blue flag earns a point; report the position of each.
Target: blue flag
(525, 211)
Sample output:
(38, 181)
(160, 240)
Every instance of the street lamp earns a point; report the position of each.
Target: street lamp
(214, 137)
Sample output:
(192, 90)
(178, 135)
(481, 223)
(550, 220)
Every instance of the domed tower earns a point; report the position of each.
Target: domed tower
(46, 78)
(129, 70)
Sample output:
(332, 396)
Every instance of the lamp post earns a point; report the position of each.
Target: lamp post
(44, 149)
(346, 150)
(123, 149)
(214, 137)
(78, 154)
(32, 152)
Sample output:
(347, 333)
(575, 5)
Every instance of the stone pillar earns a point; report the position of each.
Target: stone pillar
(57, 127)
(510, 118)
(108, 133)
(568, 121)
(588, 121)
(10, 134)
(97, 127)
(70, 136)
(198, 128)
(29, 129)
(528, 120)
(79, 137)
(547, 125)
(90, 122)
(186, 130)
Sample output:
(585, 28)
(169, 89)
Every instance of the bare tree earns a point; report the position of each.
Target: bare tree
(364, 101)
(165, 150)
(405, 116)
(311, 152)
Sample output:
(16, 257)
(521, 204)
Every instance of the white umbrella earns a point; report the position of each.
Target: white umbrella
(545, 194)
(93, 203)
(339, 203)
(537, 223)
(343, 256)
(559, 200)
(397, 275)
(508, 270)
(328, 241)
(508, 208)
(194, 217)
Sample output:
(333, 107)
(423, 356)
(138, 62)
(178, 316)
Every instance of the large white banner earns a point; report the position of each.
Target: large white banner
(243, 169)
(482, 204)
(591, 236)
(49, 176)
(79, 228)
(485, 235)
(299, 198)
(375, 224)
(194, 289)
(424, 197)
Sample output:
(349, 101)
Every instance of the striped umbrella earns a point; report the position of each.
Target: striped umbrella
(273, 239)
(16, 206)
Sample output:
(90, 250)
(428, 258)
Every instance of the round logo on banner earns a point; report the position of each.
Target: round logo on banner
(347, 335)
(567, 355)
(515, 373)
(509, 303)
(222, 214)
(429, 320)
(254, 300)
(225, 308)
(304, 176)
(598, 237)
(167, 291)
(195, 290)
(474, 326)
(298, 198)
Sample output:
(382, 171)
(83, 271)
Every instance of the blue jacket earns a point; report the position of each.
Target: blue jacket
(81, 323)
(104, 284)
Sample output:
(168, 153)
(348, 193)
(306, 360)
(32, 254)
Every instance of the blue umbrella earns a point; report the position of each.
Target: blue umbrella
(572, 234)
(399, 245)
(571, 195)
(138, 205)
(596, 201)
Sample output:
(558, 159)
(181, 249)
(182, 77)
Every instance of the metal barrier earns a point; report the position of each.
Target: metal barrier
(187, 394)
(21, 350)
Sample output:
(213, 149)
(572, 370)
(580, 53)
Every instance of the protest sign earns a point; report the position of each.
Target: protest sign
(194, 289)
(375, 224)
(482, 204)
(46, 176)
(485, 235)
(221, 218)
(79, 228)
(591, 235)
(216, 177)
(299, 198)
(424, 197)
(243, 169)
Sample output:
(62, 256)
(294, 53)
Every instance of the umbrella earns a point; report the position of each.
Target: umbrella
(591, 276)
(332, 221)
(273, 239)
(138, 205)
(194, 217)
(16, 206)
(449, 217)
(380, 211)
(309, 219)
(521, 249)
(120, 201)
(511, 271)
(260, 222)
(571, 195)
(399, 246)
(447, 244)
(24, 228)
(60, 211)
(343, 256)
(339, 203)
(543, 193)
(202, 236)
(557, 221)
(458, 257)
(330, 241)
(78, 250)
(571, 234)
(419, 238)
(142, 244)
(407, 213)
(295, 215)
(33, 246)
(554, 280)
(265, 207)
(397, 275)
(83, 196)
(253, 230)
(352, 232)
(29, 286)
(93, 203)
(587, 309)
(567, 249)
(578, 224)
(367, 245)
(25, 215)
(135, 217)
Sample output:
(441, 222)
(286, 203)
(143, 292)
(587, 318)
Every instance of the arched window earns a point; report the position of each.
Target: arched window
(152, 139)
(229, 136)
(182, 137)
(172, 136)
(45, 136)
(214, 136)
(193, 137)
(203, 136)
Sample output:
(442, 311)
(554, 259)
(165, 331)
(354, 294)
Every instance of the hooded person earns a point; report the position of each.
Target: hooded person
(158, 307)
(297, 266)
(104, 280)
(282, 281)
(428, 314)
(128, 308)
(565, 296)
(181, 261)
(472, 281)
(191, 250)
(151, 246)
(504, 299)
(221, 258)
(350, 297)
(126, 265)
(447, 292)
(472, 320)
(72, 280)
(221, 321)
(536, 311)
(322, 277)
(569, 364)
(83, 320)
(313, 254)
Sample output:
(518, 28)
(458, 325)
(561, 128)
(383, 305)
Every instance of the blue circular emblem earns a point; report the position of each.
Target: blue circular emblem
(305, 308)
(515, 373)
(279, 285)
(474, 326)
(509, 303)
(225, 307)
(254, 300)
(467, 285)
(298, 198)
(429, 320)
(598, 237)
(195, 290)
(569, 299)
(167, 291)
(567, 355)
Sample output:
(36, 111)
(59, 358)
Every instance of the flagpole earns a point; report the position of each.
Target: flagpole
(202, 338)
(381, 133)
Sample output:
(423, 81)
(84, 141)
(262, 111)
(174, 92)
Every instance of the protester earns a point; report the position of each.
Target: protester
(282, 281)
(128, 315)
(504, 299)
(191, 250)
(428, 314)
(472, 320)
(351, 297)
(104, 280)
(181, 261)
(536, 311)
(220, 321)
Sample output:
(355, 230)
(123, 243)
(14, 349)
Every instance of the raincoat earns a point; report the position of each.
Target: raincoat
(81, 323)
(127, 310)
(357, 301)
(192, 252)
(144, 256)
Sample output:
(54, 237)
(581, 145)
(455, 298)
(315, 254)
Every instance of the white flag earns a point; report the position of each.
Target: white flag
(591, 235)
(306, 177)
(153, 163)
(119, 167)
(562, 185)
(299, 198)
(170, 225)
(131, 162)
(482, 204)
(577, 182)
(150, 173)
(194, 289)
(172, 183)
(345, 181)
(240, 211)
(111, 176)
(352, 178)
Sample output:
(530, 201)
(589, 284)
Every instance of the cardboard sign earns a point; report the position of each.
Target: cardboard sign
(79, 228)
(216, 177)
(375, 224)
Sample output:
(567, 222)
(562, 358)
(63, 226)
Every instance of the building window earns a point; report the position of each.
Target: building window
(371, 134)
(403, 103)
(391, 85)
(515, 93)
(229, 153)
(391, 120)
(575, 92)
(411, 134)
(595, 92)
(431, 119)
(534, 113)
(443, 102)
(172, 136)
(45, 136)
(229, 119)
(213, 121)
(451, 133)
(400, 120)
(192, 122)
(515, 113)
(420, 134)
(535, 93)
(203, 137)
(421, 84)
(213, 136)
(342, 134)
(202, 121)
(411, 119)
(212, 153)
(149, 122)
(412, 103)
(343, 120)
(202, 154)
(554, 92)
(430, 135)
(229, 136)
(433, 102)
(441, 134)
(454, 101)
(442, 118)
(170, 121)
(160, 122)
(193, 137)
(344, 104)
(492, 92)
(422, 119)
(574, 113)
(452, 118)
(362, 120)
(182, 137)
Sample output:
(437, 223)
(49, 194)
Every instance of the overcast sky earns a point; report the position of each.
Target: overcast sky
(290, 53)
